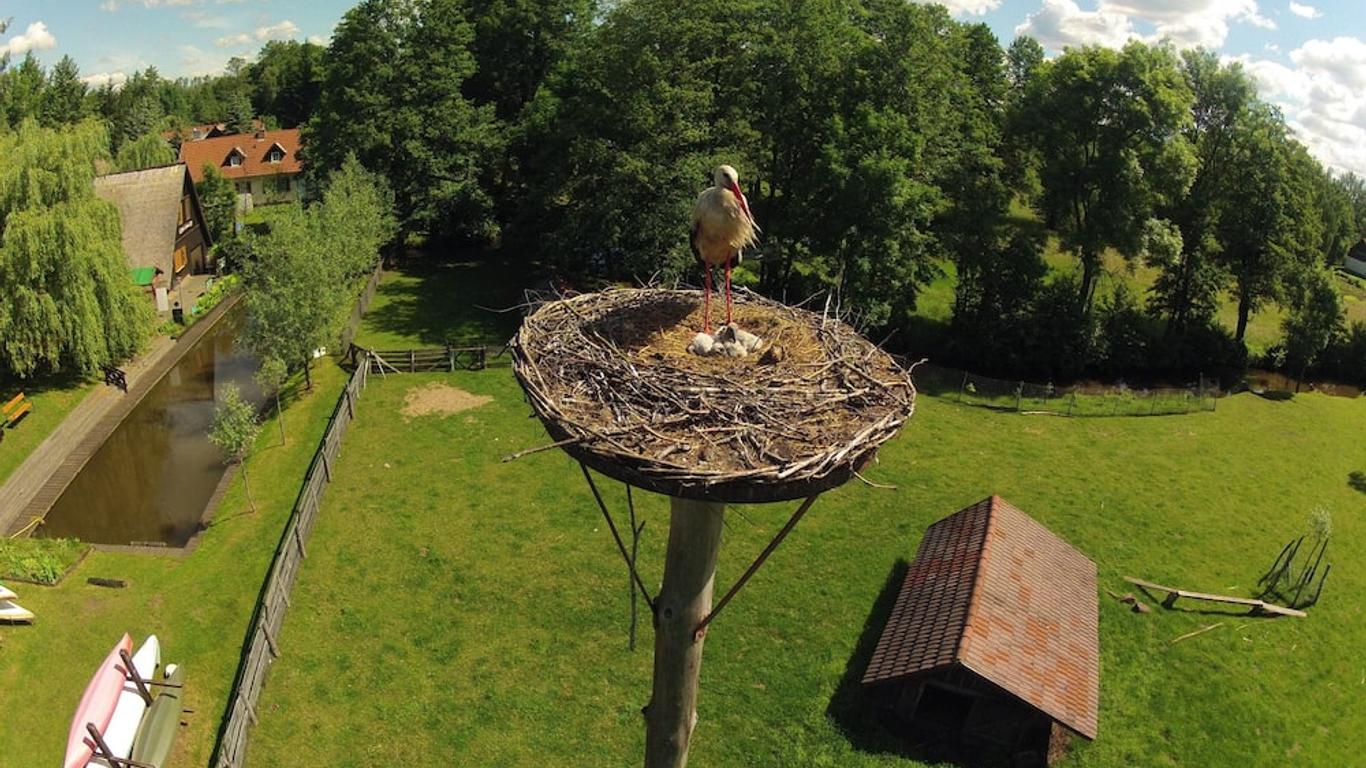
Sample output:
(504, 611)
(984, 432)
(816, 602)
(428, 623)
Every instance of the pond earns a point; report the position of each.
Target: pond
(150, 481)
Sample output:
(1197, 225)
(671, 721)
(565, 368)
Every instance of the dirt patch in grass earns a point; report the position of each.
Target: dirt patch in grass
(437, 399)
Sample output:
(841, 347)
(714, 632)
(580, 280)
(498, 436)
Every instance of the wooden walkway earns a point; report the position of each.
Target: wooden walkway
(36, 484)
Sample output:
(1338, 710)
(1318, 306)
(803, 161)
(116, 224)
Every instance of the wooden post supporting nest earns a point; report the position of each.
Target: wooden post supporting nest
(684, 601)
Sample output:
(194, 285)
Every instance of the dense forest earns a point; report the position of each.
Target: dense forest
(884, 147)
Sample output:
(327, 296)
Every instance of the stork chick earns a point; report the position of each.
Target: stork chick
(722, 227)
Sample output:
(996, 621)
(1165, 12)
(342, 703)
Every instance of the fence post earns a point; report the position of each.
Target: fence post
(450, 356)
(412, 361)
(1019, 395)
(962, 386)
(1071, 403)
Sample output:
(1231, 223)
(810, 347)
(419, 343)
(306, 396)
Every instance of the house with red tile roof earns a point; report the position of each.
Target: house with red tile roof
(991, 651)
(264, 165)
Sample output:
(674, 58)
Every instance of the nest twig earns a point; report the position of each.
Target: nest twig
(609, 375)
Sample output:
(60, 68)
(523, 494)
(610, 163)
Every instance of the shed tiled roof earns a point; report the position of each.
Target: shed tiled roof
(994, 591)
(255, 147)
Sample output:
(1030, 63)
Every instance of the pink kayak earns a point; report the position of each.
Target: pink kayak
(97, 705)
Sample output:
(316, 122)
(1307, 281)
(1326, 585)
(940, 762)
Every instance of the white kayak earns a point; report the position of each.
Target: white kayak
(13, 612)
(6, 593)
(123, 726)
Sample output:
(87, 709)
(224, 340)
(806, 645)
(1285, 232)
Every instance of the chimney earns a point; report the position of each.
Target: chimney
(260, 134)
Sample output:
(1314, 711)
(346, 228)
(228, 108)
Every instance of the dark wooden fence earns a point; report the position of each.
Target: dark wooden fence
(362, 303)
(263, 645)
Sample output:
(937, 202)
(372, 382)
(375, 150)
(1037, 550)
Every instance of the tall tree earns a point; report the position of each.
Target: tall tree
(1188, 287)
(1266, 226)
(219, 201)
(22, 88)
(64, 99)
(392, 95)
(240, 113)
(1108, 128)
(149, 151)
(68, 303)
(515, 45)
(286, 80)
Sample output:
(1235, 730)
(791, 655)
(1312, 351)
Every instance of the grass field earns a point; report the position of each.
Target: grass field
(422, 303)
(51, 403)
(453, 605)
(198, 605)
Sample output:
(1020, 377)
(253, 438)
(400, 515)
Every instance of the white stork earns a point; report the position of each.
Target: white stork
(722, 227)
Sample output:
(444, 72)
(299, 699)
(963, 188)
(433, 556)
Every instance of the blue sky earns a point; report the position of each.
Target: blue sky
(1309, 58)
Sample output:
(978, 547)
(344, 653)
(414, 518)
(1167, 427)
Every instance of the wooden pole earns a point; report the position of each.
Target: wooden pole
(684, 600)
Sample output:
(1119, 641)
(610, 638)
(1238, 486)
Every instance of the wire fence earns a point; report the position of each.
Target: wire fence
(1077, 400)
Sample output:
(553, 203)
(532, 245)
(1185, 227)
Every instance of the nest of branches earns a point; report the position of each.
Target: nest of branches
(609, 375)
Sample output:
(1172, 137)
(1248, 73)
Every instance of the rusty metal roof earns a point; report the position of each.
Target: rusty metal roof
(994, 591)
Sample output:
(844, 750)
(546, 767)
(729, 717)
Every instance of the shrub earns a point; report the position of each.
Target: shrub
(43, 561)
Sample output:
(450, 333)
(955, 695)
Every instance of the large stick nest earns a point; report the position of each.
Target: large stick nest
(609, 375)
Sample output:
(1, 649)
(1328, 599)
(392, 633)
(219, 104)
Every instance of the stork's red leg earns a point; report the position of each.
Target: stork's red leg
(706, 301)
(728, 293)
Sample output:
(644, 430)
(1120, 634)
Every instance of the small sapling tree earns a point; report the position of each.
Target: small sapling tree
(234, 431)
(272, 376)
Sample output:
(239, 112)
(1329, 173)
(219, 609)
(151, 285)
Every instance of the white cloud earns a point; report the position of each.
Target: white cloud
(206, 20)
(1062, 23)
(1323, 96)
(1186, 23)
(319, 40)
(35, 38)
(101, 79)
(114, 5)
(1304, 11)
(966, 7)
(285, 30)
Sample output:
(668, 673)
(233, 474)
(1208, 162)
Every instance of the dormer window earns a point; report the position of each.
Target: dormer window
(235, 157)
(276, 153)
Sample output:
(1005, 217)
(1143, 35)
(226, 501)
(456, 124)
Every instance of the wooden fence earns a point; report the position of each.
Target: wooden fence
(450, 358)
(263, 645)
(362, 303)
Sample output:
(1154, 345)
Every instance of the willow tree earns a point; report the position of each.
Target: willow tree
(68, 303)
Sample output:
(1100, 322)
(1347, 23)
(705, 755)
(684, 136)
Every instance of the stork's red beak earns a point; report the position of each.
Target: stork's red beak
(744, 204)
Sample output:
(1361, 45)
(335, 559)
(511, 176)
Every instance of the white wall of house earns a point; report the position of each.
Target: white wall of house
(264, 189)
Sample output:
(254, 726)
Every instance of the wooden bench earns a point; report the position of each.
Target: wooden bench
(16, 409)
(1256, 606)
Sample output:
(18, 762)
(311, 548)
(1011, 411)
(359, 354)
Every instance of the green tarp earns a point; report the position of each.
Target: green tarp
(143, 276)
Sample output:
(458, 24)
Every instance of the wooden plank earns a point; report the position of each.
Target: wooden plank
(1257, 606)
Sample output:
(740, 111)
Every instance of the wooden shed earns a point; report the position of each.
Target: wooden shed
(991, 653)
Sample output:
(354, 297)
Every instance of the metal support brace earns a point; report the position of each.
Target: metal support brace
(620, 545)
(754, 567)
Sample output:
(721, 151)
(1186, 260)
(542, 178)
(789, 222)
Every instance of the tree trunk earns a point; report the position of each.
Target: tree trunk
(684, 600)
(308, 372)
(1089, 263)
(247, 486)
(280, 416)
(1244, 310)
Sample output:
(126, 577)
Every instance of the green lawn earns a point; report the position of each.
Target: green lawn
(51, 403)
(198, 605)
(425, 301)
(455, 605)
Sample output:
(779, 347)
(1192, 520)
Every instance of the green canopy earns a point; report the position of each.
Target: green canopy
(143, 276)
